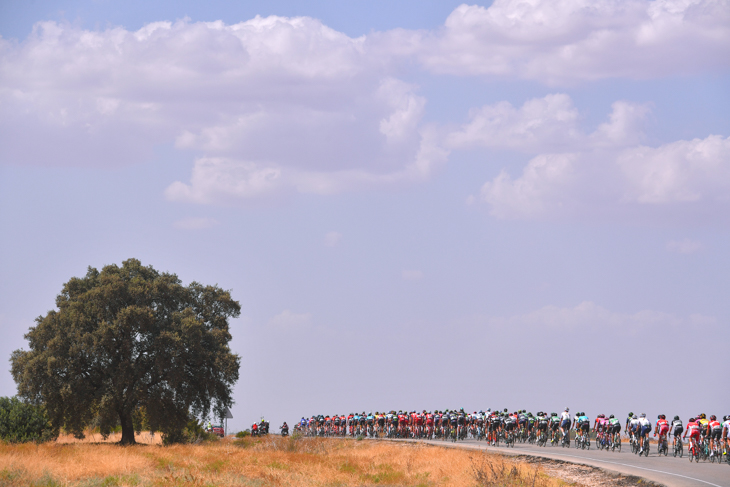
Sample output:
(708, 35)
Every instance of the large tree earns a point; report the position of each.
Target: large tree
(127, 338)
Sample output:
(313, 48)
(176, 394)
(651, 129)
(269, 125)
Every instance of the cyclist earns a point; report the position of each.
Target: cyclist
(509, 425)
(542, 423)
(554, 425)
(565, 424)
(599, 426)
(614, 428)
(703, 422)
(693, 429)
(582, 424)
(632, 426)
(531, 421)
(662, 428)
(715, 430)
(454, 418)
(643, 430)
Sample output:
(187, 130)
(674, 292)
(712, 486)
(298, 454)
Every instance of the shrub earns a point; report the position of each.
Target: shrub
(192, 433)
(21, 422)
(243, 434)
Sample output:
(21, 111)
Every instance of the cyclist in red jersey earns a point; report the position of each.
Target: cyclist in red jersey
(662, 428)
(429, 425)
(714, 431)
(693, 429)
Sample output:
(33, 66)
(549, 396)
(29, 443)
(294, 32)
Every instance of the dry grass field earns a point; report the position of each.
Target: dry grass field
(259, 462)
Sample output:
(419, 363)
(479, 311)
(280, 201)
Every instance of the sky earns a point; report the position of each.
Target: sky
(418, 204)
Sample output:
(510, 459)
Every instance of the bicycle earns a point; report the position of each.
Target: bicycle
(542, 439)
(663, 446)
(694, 452)
(678, 447)
(616, 442)
(565, 443)
(583, 442)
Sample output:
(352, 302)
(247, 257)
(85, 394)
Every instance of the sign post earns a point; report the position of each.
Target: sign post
(226, 414)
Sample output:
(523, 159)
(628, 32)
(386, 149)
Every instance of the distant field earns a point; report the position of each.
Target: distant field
(260, 462)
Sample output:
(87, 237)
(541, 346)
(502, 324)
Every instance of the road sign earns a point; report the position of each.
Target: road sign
(227, 413)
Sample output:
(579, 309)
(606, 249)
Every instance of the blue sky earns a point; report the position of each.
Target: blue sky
(406, 195)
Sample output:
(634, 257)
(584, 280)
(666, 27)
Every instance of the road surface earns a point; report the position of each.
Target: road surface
(670, 471)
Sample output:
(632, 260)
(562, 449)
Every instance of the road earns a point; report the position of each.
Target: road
(670, 471)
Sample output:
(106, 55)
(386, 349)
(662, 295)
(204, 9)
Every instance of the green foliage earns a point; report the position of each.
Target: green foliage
(130, 339)
(243, 434)
(193, 432)
(21, 422)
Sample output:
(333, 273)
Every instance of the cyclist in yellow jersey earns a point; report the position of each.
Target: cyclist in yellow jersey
(704, 425)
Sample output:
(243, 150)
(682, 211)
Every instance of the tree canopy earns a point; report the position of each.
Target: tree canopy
(127, 338)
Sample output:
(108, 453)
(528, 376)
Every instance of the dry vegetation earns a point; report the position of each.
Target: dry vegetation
(260, 462)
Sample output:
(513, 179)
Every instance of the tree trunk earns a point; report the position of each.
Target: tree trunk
(127, 429)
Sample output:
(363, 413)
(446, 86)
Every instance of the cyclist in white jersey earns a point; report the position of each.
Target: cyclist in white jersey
(633, 425)
(565, 422)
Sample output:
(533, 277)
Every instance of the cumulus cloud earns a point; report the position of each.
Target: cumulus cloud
(195, 223)
(288, 321)
(332, 239)
(685, 246)
(412, 275)
(543, 124)
(682, 171)
(606, 171)
(589, 317)
(274, 105)
(570, 40)
(265, 104)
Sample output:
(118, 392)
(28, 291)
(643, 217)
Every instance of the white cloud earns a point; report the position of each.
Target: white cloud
(588, 317)
(288, 321)
(685, 246)
(543, 124)
(543, 188)
(563, 41)
(412, 275)
(332, 239)
(606, 172)
(679, 172)
(275, 105)
(195, 223)
(267, 104)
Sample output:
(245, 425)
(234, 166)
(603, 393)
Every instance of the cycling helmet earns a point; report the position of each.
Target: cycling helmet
(610, 417)
(713, 417)
(631, 415)
(702, 416)
(659, 417)
(643, 415)
(505, 410)
(676, 418)
(567, 410)
(691, 420)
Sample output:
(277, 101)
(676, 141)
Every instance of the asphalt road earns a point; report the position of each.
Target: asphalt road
(670, 471)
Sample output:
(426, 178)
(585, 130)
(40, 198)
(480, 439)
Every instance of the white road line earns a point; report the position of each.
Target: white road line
(624, 464)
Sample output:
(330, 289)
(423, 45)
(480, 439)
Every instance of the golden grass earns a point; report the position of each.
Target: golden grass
(259, 462)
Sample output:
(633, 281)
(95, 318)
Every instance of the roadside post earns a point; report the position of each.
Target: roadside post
(226, 414)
